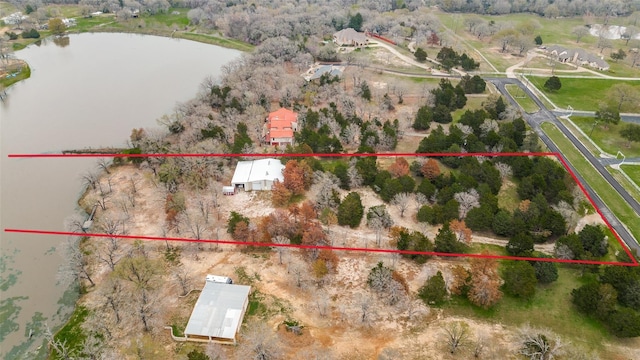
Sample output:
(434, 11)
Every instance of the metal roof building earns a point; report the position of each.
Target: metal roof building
(257, 174)
(218, 313)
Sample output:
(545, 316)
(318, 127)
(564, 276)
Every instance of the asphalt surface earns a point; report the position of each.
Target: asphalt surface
(544, 115)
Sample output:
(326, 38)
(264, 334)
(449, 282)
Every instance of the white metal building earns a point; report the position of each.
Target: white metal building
(218, 313)
(257, 174)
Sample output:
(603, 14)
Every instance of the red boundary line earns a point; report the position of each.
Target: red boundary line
(337, 248)
(488, 154)
(506, 154)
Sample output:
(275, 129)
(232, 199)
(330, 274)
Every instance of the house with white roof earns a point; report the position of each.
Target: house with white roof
(257, 174)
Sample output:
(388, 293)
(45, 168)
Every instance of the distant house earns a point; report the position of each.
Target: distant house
(330, 70)
(218, 313)
(350, 37)
(280, 126)
(578, 57)
(257, 174)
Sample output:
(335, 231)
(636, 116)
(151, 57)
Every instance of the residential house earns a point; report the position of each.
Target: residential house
(330, 70)
(350, 37)
(280, 127)
(578, 57)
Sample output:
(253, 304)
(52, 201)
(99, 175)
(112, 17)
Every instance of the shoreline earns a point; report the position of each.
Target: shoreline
(203, 38)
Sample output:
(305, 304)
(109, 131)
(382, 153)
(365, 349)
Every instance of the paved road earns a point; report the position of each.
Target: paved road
(544, 115)
(634, 118)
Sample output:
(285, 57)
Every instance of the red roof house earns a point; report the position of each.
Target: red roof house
(281, 124)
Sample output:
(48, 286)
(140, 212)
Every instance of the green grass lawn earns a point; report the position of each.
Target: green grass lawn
(581, 94)
(550, 308)
(522, 98)
(633, 171)
(608, 194)
(628, 185)
(24, 73)
(72, 332)
(216, 40)
(473, 103)
(608, 139)
(508, 197)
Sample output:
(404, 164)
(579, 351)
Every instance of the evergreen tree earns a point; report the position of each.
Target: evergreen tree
(420, 55)
(434, 290)
(553, 84)
(520, 279)
(350, 211)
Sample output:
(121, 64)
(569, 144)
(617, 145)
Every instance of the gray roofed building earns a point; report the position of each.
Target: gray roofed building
(578, 57)
(325, 69)
(350, 37)
(218, 313)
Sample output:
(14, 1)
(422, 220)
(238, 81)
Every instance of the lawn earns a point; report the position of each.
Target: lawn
(607, 137)
(216, 40)
(473, 103)
(522, 98)
(550, 308)
(633, 171)
(608, 194)
(581, 94)
(25, 73)
(628, 185)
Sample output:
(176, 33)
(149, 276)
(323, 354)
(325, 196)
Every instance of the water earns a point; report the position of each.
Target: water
(89, 92)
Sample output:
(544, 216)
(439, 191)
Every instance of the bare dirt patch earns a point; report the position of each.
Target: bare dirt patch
(340, 315)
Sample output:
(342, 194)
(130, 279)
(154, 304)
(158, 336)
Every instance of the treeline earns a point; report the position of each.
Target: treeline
(549, 8)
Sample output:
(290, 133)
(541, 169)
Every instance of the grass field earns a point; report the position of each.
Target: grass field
(522, 98)
(609, 139)
(581, 94)
(473, 103)
(617, 174)
(550, 308)
(24, 73)
(608, 194)
(633, 171)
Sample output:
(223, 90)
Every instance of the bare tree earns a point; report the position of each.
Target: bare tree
(401, 201)
(538, 344)
(468, 200)
(114, 296)
(281, 249)
(364, 304)
(259, 342)
(183, 278)
(297, 270)
(104, 163)
(480, 343)
(142, 275)
(456, 335)
(215, 351)
(504, 169)
(90, 179)
(580, 31)
(76, 266)
(60, 347)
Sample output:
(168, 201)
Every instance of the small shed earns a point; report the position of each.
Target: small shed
(257, 174)
(218, 313)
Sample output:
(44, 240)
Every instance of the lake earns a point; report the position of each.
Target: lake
(89, 90)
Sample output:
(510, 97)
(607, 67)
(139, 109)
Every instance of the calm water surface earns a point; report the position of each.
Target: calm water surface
(89, 93)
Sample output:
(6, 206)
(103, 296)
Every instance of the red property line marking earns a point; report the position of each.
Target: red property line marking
(584, 191)
(337, 248)
(487, 154)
